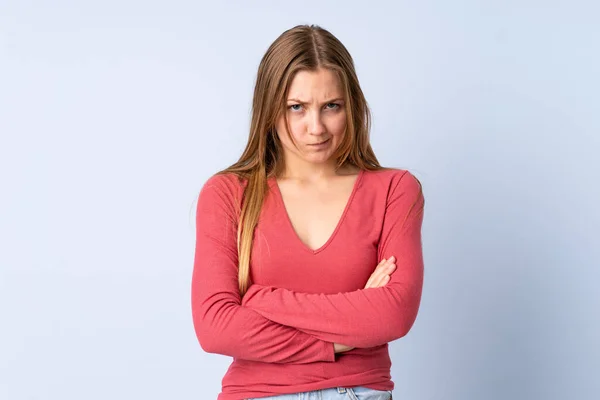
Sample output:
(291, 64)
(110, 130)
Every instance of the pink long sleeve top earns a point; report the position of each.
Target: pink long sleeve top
(301, 301)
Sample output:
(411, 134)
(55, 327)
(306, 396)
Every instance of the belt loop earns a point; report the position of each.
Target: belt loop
(341, 390)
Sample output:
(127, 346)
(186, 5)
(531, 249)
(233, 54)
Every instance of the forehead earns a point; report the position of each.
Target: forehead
(315, 85)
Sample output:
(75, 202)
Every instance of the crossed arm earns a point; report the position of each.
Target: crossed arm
(366, 317)
(281, 326)
(221, 324)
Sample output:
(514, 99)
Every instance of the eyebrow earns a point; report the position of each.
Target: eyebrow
(326, 102)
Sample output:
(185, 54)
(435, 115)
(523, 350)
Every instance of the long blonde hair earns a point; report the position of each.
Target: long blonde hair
(300, 48)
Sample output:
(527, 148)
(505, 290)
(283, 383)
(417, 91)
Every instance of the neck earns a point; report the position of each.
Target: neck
(306, 171)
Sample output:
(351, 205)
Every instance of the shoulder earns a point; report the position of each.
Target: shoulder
(223, 190)
(225, 183)
(394, 182)
(403, 194)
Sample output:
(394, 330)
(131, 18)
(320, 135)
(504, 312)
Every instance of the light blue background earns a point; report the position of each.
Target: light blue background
(114, 113)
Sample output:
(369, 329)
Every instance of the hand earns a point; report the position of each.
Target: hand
(381, 276)
(341, 348)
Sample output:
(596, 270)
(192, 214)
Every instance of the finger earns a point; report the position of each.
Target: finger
(382, 263)
(384, 268)
(385, 281)
(377, 277)
(390, 268)
(382, 277)
(376, 274)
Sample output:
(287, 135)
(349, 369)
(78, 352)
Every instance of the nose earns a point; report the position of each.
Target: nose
(315, 124)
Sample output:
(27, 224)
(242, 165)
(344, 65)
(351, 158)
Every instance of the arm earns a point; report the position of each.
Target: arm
(365, 317)
(221, 324)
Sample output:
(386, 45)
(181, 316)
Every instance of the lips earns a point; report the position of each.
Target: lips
(317, 144)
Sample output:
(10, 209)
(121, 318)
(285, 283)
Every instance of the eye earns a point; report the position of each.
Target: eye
(328, 106)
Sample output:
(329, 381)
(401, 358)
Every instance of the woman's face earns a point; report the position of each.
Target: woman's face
(317, 117)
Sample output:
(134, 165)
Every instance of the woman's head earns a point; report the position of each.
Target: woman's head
(313, 123)
(310, 71)
(306, 61)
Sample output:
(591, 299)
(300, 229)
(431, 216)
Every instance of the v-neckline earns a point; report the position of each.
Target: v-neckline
(338, 225)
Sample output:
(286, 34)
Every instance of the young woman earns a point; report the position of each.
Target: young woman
(308, 256)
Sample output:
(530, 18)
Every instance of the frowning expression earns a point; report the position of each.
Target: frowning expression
(316, 114)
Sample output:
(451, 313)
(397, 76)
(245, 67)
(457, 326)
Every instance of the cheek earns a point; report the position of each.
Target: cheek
(297, 129)
(337, 126)
(282, 133)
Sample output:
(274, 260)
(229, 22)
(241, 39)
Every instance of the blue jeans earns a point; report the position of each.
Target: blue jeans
(340, 393)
